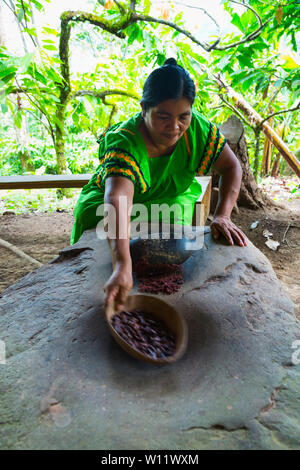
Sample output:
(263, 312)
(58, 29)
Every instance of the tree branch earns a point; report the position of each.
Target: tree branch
(249, 8)
(120, 6)
(252, 35)
(102, 94)
(197, 8)
(132, 5)
(23, 8)
(11, 9)
(113, 28)
(281, 112)
(235, 111)
(113, 111)
(272, 98)
(41, 110)
(40, 120)
(151, 19)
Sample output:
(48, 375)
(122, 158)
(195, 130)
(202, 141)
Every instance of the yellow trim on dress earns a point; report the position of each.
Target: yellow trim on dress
(129, 161)
(209, 151)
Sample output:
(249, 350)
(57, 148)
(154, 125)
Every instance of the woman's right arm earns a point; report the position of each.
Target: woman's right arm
(119, 193)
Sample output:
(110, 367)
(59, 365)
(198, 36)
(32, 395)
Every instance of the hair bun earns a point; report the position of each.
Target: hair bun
(170, 61)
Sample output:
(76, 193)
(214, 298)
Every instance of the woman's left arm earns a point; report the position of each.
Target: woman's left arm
(230, 171)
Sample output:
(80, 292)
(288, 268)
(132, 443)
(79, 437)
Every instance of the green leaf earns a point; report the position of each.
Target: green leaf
(4, 108)
(20, 15)
(247, 83)
(30, 31)
(293, 41)
(18, 119)
(178, 17)
(289, 64)
(51, 31)
(147, 6)
(41, 78)
(245, 61)
(247, 20)
(7, 73)
(53, 75)
(136, 33)
(237, 22)
(49, 47)
(37, 4)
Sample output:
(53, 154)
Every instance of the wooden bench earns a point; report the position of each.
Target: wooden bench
(44, 181)
(201, 210)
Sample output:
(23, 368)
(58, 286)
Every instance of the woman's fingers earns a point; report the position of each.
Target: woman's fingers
(116, 293)
(219, 228)
(237, 237)
(121, 297)
(227, 235)
(230, 231)
(215, 232)
(111, 292)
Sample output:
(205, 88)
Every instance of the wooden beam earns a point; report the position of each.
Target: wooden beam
(201, 209)
(202, 205)
(44, 181)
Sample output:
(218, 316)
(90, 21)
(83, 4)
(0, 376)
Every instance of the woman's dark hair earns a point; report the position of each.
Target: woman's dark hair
(171, 81)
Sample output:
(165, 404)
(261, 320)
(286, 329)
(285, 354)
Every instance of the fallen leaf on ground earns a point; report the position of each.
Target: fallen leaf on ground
(272, 244)
(267, 234)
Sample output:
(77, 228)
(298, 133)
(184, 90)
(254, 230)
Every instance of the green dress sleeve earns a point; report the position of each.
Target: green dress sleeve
(120, 154)
(207, 142)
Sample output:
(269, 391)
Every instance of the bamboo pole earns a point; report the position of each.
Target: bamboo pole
(257, 121)
(266, 161)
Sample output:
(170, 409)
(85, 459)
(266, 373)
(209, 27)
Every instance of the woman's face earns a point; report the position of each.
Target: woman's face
(167, 121)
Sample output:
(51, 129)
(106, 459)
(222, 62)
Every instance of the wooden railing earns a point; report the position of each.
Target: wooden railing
(201, 210)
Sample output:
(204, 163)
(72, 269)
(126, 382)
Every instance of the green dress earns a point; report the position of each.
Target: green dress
(161, 180)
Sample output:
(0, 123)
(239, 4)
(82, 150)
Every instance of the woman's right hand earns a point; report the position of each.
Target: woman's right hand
(119, 285)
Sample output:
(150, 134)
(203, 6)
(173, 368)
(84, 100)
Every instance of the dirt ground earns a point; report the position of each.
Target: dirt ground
(43, 235)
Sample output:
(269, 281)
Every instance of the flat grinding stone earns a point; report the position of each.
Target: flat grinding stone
(67, 384)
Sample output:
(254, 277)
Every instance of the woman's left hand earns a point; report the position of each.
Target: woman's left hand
(223, 225)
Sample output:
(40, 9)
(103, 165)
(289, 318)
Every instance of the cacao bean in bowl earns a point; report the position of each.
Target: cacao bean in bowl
(149, 329)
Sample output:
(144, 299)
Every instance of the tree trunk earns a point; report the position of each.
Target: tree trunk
(64, 91)
(250, 195)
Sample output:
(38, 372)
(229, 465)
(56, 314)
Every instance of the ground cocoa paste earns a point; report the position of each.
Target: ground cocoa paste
(158, 278)
(144, 333)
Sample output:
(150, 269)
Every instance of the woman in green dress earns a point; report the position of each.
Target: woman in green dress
(152, 158)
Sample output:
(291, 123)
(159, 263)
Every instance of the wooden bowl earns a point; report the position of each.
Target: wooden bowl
(159, 310)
